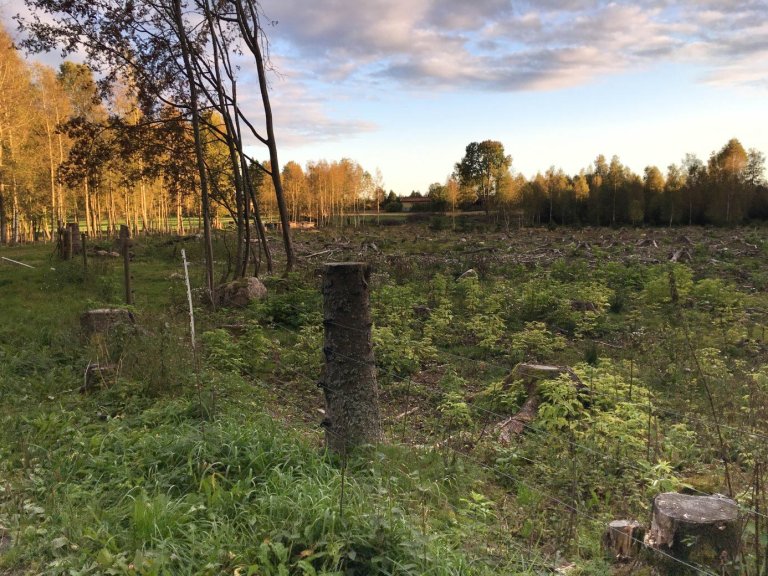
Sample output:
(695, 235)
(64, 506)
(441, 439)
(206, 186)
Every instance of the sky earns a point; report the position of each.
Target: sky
(403, 86)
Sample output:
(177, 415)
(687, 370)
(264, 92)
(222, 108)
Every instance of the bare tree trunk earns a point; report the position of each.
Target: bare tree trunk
(52, 174)
(248, 21)
(144, 218)
(179, 215)
(262, 231)
(87, 202)
(195, 110)
(15, 221)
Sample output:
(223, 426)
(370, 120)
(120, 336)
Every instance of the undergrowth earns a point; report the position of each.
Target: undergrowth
(210, 461)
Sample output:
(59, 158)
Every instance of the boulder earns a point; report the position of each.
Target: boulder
(241, 292)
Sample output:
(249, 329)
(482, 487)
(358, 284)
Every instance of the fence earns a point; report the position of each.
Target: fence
(397, 431)
(443, 439)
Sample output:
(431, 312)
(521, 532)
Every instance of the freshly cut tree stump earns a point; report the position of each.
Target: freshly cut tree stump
(696, 530)
(531, 374)
(622, 539)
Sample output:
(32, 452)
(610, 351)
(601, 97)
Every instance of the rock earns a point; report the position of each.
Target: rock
(102, 320)
(241, 292)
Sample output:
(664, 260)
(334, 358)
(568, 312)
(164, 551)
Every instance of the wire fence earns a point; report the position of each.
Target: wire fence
(399, 431)
(400, 421)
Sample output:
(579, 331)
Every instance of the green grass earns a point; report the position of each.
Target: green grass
(148, 476)
(156, 488)
(212, 463)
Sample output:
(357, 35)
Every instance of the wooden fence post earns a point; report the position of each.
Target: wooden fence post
(125, 243)
(352, 415)
(68, 244)
(83, 240)
(74, 235)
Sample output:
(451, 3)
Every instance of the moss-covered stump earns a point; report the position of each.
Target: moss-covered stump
(694, 530)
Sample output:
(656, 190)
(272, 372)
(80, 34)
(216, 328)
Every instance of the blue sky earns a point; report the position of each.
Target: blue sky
(405, 85)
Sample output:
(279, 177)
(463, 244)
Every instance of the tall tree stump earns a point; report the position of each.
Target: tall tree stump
(352, 415)
(701, 530)
(103, 320)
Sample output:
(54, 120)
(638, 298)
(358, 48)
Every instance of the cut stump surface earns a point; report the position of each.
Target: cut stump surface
(704, 529)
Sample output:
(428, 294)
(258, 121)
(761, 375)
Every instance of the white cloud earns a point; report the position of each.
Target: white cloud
(301, 116)
(552, 43)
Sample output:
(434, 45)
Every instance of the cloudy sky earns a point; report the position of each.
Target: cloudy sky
(405, 85)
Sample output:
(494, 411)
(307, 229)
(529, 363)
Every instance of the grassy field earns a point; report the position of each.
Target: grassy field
(210, 461)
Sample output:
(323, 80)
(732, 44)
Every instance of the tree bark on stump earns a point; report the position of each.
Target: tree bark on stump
(702, 530)
(352, 415)
(101, 321)
(622, 538)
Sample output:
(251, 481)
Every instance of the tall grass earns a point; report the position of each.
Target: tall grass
(165, 494)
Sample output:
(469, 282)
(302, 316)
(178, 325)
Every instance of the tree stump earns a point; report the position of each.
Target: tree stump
(97, 376)
(622, 539)
(531, 374)
(102, 320)
(701, 530)
(349, 379)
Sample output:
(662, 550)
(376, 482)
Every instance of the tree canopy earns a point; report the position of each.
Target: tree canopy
(482, 168)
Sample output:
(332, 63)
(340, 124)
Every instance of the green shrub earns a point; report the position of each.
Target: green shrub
(535, 342)
(221, 352)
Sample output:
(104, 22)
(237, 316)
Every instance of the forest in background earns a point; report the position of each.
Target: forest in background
(72, 152)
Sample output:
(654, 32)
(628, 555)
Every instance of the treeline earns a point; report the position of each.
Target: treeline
(70, 152)
(730, 188)
(67, 155)
(325, 192)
